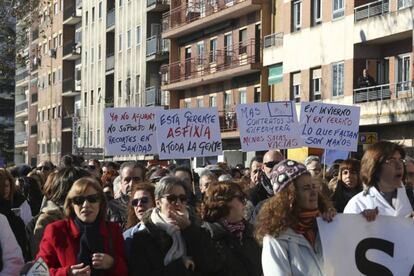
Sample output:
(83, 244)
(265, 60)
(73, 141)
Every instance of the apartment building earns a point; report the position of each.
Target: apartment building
(318, 51)
(215, 61)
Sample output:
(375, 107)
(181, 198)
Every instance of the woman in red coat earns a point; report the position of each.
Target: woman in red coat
(84, 243)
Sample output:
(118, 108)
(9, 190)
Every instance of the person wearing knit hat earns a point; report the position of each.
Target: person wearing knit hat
(286, 224)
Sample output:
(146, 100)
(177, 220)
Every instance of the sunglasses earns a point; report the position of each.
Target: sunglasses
(43, 168)
(173, 199)
(79, 200)
(133, 178)
(271, 164)
(136, 201)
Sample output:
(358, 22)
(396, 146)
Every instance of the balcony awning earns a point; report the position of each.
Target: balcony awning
(275, 74)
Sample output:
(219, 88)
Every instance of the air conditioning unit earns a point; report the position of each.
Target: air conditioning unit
(52, 53)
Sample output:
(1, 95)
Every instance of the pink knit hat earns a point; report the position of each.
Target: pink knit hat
(285, 172)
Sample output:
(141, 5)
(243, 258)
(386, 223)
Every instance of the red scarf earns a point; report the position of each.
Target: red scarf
(307, 225)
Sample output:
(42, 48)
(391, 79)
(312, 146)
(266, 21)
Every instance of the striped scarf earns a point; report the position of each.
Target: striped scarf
(307, 225)
(236, 229)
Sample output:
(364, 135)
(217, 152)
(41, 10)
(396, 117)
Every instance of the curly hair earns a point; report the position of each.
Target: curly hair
(217, 197)
(282, 211)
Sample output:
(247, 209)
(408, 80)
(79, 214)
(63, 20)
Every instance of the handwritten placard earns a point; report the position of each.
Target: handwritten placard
(265, 126)
(185, 133)
(330, 126)
(130, 130)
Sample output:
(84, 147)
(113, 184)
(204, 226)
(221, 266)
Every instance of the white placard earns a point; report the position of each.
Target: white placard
(185, 133)
(272, 125)
(130, 130)
(353, 246)
(330, 126)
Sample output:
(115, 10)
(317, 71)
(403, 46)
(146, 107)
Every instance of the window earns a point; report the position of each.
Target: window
(120, 3)
(316, 84)
(91, 97)
(297, 14)
(119, 89)
(213, 50)
(54, 113)
(243, 41)
(200, 53)
(120, 42)
(227, 100)
(228, 47)
(242, 96)
(137, 90)
(56, 8)
(338, 79)
(200, 102)
(99, 52)
(59, 111)
(90, 137)
(86, 18)
(99, 95)
(212, 101)
(55, 42)
(129, 39)
(60, 40)
(338, 9)
(138, 35)
(187, 103)
(54, 77)
(93, 14)
(100, 10)
(257, 94)
(316, 12)
(98, 137)
(85, 99)
(296, 82)
(403, 73)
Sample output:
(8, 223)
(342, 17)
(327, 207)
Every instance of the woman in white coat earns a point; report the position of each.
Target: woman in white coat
(286, 224)
(11, 254)
(382, 171)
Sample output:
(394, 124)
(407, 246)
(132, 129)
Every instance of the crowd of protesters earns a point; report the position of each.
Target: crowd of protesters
(92, 218)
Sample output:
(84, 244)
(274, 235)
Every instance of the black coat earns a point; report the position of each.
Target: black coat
(235, 257)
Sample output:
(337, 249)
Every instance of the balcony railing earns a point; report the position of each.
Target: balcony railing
(402, 4)
(68, 85)
(33, 130)
(34, 98)
(20, 138)
(35, 34)
(22, 74)
(110, 19)
(383, 92)
(67, 123)
(240, 54)
(228, 121)
(157, 2)
(152, 95)
(21, 107)
(271, 40)
(69, 12)
(109, 102)
(190, 12)
(110, 62)
(157, 45)
(371, 9)
(71, 48)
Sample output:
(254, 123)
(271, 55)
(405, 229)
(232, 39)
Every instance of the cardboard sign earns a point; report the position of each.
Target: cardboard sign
(130, 130)
(265, 126)
(330, 126)
(185, 133)
(353, 246)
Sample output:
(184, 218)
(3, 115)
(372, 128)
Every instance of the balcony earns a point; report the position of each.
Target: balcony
(21, 109)
(67, 124)
(158, 5)
(228, 123)
(110, 20)
(69, 89)
(35, 34)
(191, 17)
(109, 102)
(152, 96)
(371, 9)
(273, 49)
(157, 48)
(383, 92)
(235, 60)
(110, 62)
(71, 51)
(21, 74)
(33, 130)
(34, 98)
(72, 15)
(20, 139)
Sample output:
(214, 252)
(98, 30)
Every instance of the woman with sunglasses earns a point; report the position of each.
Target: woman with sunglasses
(382, 172)
(162, 247)
(84, 243)
(142, 199)
(236, 251)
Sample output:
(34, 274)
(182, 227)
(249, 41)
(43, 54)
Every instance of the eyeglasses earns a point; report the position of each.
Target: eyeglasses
(136, 201)
(79, 200)
(43, 168)
(173, 199)
(133, 178)
(394, 161)
(271, 164)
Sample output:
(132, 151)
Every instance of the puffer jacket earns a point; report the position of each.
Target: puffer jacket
(291, 254)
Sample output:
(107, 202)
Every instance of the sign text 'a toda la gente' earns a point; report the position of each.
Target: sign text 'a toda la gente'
(186, 133)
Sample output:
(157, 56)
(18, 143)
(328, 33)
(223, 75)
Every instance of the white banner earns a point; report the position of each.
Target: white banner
(265, 126)
(130, 130)
(353, 246)
(330, 126)
(186, 133)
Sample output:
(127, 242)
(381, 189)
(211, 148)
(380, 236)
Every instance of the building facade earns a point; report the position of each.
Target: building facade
(318, 51)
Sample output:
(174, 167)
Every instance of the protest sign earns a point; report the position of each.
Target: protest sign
(330, 126)
(265, 126)
(130, 130)
(330, 156)
(186, 133)
(353, 246)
